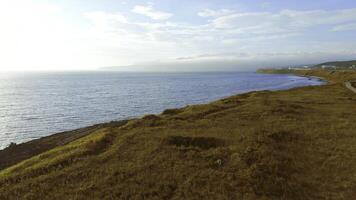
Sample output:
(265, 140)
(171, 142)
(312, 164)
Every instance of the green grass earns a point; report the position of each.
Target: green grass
(293, 144)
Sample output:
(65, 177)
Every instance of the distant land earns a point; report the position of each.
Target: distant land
(336, 65)
(291, 144)
(326, 65)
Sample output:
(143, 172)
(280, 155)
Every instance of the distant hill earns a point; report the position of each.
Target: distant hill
(337, 65)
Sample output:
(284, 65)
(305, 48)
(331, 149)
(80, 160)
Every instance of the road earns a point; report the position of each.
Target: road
(349, 85)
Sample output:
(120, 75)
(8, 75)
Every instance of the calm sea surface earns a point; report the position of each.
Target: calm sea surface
(33, 105)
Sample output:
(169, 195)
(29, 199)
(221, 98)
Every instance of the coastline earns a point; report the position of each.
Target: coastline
(16, 153)
(250, 145)
(117, 100)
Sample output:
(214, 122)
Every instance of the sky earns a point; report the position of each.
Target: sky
(174, 35)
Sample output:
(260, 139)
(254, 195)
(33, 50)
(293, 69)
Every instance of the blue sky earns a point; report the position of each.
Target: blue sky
(174, 35)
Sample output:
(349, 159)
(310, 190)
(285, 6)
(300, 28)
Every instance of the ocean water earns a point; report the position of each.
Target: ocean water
(34, 105)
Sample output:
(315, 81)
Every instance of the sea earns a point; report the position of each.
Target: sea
(37, 104)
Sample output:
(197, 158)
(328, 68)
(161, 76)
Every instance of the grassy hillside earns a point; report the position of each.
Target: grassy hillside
(293, 144)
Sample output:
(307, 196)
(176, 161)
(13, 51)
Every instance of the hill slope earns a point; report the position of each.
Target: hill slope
(294, 144)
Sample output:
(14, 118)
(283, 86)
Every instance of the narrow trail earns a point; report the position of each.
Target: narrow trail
(348, 84)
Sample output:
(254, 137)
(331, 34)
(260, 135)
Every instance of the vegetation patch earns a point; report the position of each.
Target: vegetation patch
(172, 111)
(197, 142)
(151, 117)
(99, 145)
(272, 165)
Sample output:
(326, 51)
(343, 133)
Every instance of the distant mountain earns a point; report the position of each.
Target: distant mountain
(337, 65)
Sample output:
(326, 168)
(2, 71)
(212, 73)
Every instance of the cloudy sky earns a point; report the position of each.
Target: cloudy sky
(174, 35)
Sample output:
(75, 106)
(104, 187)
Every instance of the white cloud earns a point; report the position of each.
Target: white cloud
(150, 12)
(214, 13)
(42, 35)
(105, 21)
(103, 16)
(345, 27)
(283, 21)
(231, 31)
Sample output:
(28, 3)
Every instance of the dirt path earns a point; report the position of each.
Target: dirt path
(348, 84)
